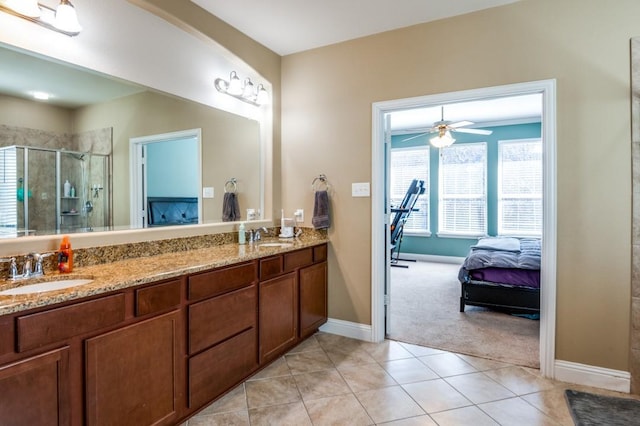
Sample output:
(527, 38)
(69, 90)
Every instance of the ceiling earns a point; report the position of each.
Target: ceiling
(21, 75)
(483, 113)
(72, 87)
(290, 26)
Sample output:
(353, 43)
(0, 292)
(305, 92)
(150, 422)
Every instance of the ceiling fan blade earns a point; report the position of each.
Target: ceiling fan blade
(460, 124)
(474, 131)
(414, 137)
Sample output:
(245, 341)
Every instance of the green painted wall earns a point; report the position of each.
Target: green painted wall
(447, 246)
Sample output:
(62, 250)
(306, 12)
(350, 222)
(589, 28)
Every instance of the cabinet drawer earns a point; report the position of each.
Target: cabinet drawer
(55, 325)
(270, 267)
(221, 367)
(158, 298)
(320, 253)
(222, 280)
(214, 320)
(298, 258)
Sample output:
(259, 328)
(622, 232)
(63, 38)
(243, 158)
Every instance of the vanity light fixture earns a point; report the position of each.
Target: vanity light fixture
(443, 140)
(246, 91)
(63, 19)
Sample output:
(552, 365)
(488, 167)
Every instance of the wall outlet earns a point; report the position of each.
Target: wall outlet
(299, 215)
(361, 189)
(207, 192)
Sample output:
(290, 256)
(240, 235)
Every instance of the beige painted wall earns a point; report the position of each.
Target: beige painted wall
(23, 113)
(230, 145)
(195, 20)
(326, 128)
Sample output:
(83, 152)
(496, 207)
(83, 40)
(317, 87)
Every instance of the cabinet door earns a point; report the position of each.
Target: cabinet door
(278, 315)
(132, 373)
(35, 391)
(313, 298)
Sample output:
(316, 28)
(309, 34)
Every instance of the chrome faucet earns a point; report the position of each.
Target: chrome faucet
(13, 267)
(38, 269)
(254, 234)
(28, 268)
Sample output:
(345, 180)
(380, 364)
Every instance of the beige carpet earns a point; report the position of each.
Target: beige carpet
(425, 310)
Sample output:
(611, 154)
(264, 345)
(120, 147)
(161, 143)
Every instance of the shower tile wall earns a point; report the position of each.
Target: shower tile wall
(42, 177)
(634, 358)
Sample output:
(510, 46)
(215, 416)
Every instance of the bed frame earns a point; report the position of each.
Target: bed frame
(517, 300)
(167, 211)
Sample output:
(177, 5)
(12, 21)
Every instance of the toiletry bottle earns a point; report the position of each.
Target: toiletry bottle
(241, 234)
(67, 188)
(65, 256)
(72, 192)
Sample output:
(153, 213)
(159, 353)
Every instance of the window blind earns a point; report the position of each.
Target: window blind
(408, 164)
(463, 189)
(520, 188)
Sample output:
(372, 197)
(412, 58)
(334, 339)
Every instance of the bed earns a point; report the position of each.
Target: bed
(502, 274)
(167, 211)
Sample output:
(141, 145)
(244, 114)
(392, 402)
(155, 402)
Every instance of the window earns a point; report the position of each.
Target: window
(520, 188)
(463, 190)
(408, 164)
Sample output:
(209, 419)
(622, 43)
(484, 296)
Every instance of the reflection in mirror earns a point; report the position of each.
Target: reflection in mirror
(230, 146)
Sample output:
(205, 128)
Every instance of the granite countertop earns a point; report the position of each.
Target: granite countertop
(140, 270)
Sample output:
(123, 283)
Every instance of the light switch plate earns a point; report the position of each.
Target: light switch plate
(360, 189)
(207, 192)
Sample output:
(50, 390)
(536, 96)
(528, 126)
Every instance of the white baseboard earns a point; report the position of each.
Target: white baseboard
(432, 258)
(350, 329)
(588, 375)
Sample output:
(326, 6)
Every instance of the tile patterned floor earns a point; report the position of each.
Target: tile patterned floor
(333, 380)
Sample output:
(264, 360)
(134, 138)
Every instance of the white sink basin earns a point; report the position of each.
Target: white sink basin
(275, 244)
(45, 286)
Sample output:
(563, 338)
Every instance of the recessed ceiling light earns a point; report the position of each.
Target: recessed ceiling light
(41, 96)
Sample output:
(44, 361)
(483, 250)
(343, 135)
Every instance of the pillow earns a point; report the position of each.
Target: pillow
(498, 243)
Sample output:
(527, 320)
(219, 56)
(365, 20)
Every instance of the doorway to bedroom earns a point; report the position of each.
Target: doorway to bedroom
(480, 185)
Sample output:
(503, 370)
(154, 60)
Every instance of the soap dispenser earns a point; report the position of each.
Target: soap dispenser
(241, 234)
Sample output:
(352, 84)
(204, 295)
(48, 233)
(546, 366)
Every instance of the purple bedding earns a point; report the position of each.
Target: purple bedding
(512, 267)
(515, 277)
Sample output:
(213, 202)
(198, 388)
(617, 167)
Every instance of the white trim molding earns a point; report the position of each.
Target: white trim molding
(432, 258)
(589, 375)
(350, 329)
(379, 245)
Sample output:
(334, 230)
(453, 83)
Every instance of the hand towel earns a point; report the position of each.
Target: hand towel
(320, 219)
(230, 207)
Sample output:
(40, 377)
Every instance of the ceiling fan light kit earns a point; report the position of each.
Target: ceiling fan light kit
(443, 140)
(444, 129)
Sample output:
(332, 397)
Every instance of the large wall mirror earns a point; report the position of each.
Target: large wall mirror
(82, 136)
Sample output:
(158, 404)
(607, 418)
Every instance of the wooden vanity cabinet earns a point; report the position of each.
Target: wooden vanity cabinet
(278, 315)
(132, 373)
(293, 300)
(157, 353)
(222, 330)
(35, 390)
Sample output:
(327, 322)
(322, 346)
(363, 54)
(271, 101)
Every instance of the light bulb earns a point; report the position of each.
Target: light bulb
(248, 92)
(263, 97)
(235, 87)
(66, 18)
(443, 140)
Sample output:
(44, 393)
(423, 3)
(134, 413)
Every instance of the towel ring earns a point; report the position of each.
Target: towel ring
(320, 183)
(231, 185)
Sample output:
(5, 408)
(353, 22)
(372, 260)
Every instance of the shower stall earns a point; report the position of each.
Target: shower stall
(33, 200)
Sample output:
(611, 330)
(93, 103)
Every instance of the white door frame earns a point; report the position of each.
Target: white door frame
(380, 246)
(137, 209)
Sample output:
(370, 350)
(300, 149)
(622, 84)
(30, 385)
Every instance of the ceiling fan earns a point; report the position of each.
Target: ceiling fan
(444, 129)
